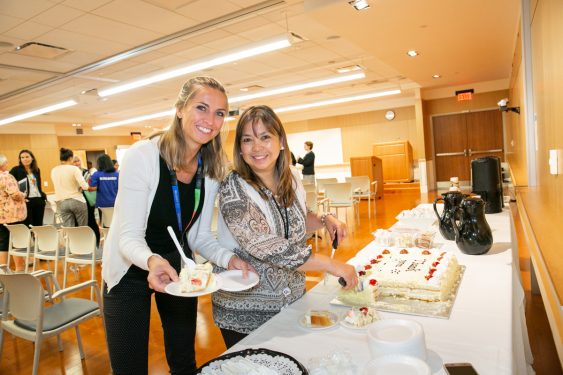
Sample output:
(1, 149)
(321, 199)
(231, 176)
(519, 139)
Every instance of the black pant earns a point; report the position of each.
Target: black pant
(92, 222)
(35, 211)
(231, 337)
(127, 315)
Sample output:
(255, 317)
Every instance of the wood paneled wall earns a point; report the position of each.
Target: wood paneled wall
(95, 143)
(359, 131)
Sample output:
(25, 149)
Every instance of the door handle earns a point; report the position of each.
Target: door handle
(451, 153)
(469, 153)
(487, 151)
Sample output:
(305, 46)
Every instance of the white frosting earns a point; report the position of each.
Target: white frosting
(360, 317)
(196, 279)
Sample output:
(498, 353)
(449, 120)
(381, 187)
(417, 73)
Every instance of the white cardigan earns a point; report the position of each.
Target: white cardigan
(125, 244)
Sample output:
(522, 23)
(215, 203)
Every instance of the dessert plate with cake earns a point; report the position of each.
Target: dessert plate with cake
(406, 280)
(358, 318)
(318, 319)
(194, 282)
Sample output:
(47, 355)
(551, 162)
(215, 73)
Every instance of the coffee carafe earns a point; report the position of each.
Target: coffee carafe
(452, 200)
(473, 236)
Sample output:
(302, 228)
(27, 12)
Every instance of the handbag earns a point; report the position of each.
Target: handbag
(90, 197)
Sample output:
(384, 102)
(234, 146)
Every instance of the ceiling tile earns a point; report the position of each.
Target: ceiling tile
(57, 16)
(205, 10)
(145, 15)
(86, 6)
(78, 42)
(28, 31)
(8, 22)
(24, 9)
(103, 28)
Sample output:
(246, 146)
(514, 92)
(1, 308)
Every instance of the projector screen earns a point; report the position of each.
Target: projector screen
(327, 145)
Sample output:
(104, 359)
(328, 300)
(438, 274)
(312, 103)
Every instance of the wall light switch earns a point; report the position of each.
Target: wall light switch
(46, 183)
(555, 162)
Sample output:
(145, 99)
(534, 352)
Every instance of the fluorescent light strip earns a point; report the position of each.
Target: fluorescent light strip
(37, 112)
(301, 86)
(337, 101)
(133, 120)
(235, 55)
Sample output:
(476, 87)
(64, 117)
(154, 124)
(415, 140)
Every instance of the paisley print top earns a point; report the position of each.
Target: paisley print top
(262, 243)
(10, 210)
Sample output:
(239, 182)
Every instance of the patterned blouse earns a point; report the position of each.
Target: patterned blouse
(10, 210)
(262, 243)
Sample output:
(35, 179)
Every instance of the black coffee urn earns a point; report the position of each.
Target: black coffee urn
(486, 181)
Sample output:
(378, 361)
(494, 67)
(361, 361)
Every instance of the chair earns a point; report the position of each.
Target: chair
(80, 248)
(339, 195)
(20, 242)
(24, 298)
(47, 245)
(361, 188)
(321, 184)
(107, 217)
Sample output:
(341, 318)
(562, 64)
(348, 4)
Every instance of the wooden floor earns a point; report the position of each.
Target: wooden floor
(17, 356)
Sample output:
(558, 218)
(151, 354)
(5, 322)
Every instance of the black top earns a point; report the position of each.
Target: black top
(163, 214)
(20, 173)
(308, 163)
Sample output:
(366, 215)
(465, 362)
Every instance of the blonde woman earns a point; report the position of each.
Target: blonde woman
(140, 258)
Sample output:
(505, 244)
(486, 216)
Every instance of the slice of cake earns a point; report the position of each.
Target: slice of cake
(413, 273)
(318, 318)
(360, 317)
(364, 294)
(196, 279)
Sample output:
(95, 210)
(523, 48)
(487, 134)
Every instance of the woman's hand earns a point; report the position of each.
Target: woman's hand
(333, 225)
(18, 196)
(235, 263)
(346, 271)
(161, 273)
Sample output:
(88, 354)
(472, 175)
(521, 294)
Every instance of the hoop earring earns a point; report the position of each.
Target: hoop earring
(282, 148)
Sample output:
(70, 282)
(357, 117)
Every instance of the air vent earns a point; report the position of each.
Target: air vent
(79, 131)
(41, 50)
(234, 112)
(296, 38)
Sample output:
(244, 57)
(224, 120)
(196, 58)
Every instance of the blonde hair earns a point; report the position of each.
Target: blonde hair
(172, 142)
(273, 124)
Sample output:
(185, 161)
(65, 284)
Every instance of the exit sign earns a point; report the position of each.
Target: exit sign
(464, 95)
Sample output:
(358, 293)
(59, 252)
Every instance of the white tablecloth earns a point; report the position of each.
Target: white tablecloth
(486, 326)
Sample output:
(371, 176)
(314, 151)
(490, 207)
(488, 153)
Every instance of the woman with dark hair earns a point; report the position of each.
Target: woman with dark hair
(169, 180)
(104, 181)
(262, 206)
(28, 175)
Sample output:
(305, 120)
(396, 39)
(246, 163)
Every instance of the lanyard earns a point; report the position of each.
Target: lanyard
(284, 220)
(176, 193)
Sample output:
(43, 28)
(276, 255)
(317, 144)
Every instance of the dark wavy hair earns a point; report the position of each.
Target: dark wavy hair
(65, 154)
(274, 125)
(33, 166)
(105, 164)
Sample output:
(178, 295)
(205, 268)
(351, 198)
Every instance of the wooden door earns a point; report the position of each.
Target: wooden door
(450, 147)
(460, 138)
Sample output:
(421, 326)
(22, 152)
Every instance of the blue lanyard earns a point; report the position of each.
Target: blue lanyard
(176, 193)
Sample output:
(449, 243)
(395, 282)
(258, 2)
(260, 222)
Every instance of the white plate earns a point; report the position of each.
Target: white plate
(213, 285)
(233, 281)
(396, 364)
(333, 319)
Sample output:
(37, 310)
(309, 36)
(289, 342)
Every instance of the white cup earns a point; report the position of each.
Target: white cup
(396, 336)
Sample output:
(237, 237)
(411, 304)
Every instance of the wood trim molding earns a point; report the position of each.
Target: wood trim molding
(552, 304)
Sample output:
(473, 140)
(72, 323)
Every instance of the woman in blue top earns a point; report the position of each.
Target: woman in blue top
(105, 181)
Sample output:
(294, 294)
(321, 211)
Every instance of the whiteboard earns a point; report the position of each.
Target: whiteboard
(327, 145)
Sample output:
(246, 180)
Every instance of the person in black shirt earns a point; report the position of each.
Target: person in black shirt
(308, 162)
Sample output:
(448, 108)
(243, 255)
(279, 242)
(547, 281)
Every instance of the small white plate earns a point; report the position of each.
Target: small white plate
(396, 364)
(233, 281)
(333, 318)
(213, 285)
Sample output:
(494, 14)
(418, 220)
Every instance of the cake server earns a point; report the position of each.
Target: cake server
(187, 261)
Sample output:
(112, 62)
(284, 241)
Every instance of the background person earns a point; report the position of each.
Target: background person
(27, 173)
(104, 181)
(77, 162)
(188, 158)
(308, 162)
(12, 211)
(68, 182)
(262, 205)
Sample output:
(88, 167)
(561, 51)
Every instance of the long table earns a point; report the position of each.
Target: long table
(486, 326)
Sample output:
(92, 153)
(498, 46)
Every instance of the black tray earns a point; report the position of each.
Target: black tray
(298, 368)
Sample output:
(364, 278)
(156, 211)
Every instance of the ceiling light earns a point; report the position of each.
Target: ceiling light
(436, 76)
(198, 65)
(133, 120)
(37, 112)
(412, 53)
(337, 101)
(244, 89)
(359, 4)
(349, 68)
(301, 86)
